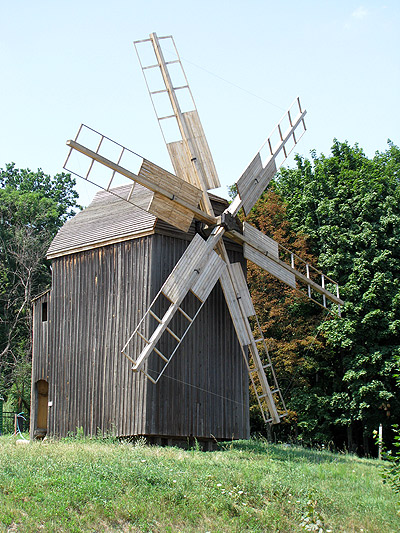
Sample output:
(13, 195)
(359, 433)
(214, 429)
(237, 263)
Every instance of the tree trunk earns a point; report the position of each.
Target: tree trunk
(350, 443)
(366, 442)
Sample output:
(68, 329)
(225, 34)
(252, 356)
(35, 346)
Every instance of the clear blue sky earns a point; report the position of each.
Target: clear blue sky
(63, 63)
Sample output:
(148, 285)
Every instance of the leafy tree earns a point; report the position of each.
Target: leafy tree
(33, 206)
(289, 321)
(349, 207)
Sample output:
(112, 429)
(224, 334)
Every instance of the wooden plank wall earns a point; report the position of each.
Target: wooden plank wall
(204, 390)
(40, 351)
(98, 296)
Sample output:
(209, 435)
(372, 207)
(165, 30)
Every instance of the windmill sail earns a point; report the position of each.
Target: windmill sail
(286, 266)
(197, 271)
(241, 308)
(174, 200)
(271, 155)
(181, 127)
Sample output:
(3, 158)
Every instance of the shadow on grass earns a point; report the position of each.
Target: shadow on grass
(283, 452)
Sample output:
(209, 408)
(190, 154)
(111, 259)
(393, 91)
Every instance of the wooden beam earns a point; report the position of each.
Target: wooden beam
(194, 157)
(197, 213)
(236, 236)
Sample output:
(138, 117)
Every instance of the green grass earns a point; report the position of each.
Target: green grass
(95, 485)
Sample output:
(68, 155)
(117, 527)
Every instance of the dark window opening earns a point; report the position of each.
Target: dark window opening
(44, 311)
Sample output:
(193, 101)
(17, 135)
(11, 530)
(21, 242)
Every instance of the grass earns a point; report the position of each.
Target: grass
(96, 485)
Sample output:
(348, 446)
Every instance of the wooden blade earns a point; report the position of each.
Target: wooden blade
(170, 211)
(261, 242)
(188, 147)
(264, 166)
(234, 309)
(181, 157)
(264, 252)
(198, 271)
(240, 306)
(241, 289)
(174, 200)
(269, 265)
(165, 208)
(187, 270)
(208, 277)
(254, 181)
(161, 178)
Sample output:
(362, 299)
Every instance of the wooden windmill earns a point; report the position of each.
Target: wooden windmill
(180, 198)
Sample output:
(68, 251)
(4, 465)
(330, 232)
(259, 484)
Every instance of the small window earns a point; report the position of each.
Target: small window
(44, 311)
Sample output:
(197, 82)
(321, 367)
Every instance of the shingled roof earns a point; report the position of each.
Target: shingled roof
(110, 219)
(107, 220)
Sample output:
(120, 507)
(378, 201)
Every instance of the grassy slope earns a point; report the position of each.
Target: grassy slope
(94, 485)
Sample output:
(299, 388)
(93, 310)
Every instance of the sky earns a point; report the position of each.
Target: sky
(66, 63)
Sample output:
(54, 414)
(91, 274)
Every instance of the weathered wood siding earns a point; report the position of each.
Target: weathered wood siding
(97, 298)
(40, 349)
(204, 390)
(97, 295)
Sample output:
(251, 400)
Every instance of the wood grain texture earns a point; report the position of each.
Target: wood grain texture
(171, 183)
(254, 181)
(180, 157)
(187, 270)
(208, 277)
(269, 265)
(242, 291)
(261, 242)
(170, 212)
(234, 309)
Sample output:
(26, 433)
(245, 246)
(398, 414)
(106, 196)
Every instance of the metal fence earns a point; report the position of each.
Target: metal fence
(11, 422)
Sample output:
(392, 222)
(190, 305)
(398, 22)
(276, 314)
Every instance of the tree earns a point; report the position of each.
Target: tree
(33, 206)
(289, 321)
(349, 207)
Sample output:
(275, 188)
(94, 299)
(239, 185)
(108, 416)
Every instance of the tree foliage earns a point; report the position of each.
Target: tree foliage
(346, 208)
(33, 206)
(288, 320)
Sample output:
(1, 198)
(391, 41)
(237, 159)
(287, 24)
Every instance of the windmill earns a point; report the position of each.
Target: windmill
(180, 198)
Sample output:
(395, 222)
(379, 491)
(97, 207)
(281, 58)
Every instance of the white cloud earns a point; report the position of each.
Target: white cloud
(360, 13)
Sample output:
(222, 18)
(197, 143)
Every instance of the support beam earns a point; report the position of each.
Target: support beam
(197, 213)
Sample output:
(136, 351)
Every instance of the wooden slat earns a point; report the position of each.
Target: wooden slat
(181, 162)
(180, 158)
(199, 214)
(258, 240)
(256, 177)
(234, 309)
(202, 150)
(254, 181)
(176, 186)
(170, 212)
(186, 270)
(269, 265)
(242, 292)
(208, 277)
(240, 238)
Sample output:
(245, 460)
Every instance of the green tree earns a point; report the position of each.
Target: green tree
(33, 206)
(288, 319)
(349, 207)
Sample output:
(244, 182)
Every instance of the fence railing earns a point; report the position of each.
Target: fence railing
(12, 423)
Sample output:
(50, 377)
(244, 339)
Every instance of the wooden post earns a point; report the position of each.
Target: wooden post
(380, 442)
